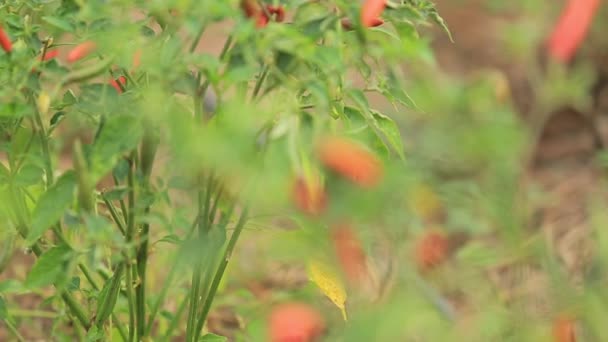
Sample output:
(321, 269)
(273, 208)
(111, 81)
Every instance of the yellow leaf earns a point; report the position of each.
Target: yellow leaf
(330, 284)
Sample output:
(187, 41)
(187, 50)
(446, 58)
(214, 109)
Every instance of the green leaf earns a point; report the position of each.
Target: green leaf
(50, 268)
(116, 193)
(4, 310)
(212, 338)
(120, 135)
(109, 295)
(10, 286)
(391, 132)
(28, 174)
(74, 284)
(94, 334)
(58, 23)
(51, 206)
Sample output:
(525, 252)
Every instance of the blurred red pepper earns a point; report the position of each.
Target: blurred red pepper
(371, 11)
(431, 250)
(295, 322)
(350, 253)
(118, 82)
(277, 11)
(348, 25)
(564, 329)
(253, 10)
(571, 29)
(80, 51)
(48, 55)
(5, 41)
(350, 160)
(309, 196)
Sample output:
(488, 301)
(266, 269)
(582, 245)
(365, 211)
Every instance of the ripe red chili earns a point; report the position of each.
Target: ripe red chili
(571, 28)
(371, 11)
(563, 329)
(309, 197)
(431, 250)
(277, 11)
(350, 160)
(348, 25)
(252, 9)
(295, 322)
(115, 83)
(49, 54)
(350, 253)
(81, 50)
(5, 41)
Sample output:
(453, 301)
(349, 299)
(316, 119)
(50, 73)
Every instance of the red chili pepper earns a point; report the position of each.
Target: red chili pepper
(371, 11)
(277, 11)
(348, 25)
(115, 83)
(564, 329)
(5, 41)
(48, 55)
(431, 250)
(350, 253)
(309, 197)
(81, 50)
(571, 28)
(251, 8)
(295, 322)
(350, 160)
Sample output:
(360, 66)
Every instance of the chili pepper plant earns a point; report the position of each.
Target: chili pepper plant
(141, 139)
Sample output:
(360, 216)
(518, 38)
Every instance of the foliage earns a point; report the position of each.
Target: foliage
(156, 175)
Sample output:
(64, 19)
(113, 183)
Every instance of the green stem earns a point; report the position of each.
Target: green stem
(198, 36)
(148, 153)
(76, 309)
(131, 302)
(14, 330)
(130, 232)
(258, 83)
(123, 207)
(33, 313)
(45, 149)
(114, 214)
(220, 271)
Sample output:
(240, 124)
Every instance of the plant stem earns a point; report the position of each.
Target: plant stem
(132, 309)
(114, 214)
(220, 271)
(198, 36)
(258, 83)
(130, 232)
(149, 146)
(45, 149)
(161, 297)
(13, 330)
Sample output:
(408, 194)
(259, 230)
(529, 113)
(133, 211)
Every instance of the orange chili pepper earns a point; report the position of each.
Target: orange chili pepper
(571, 28)
(350, 160)
(295, 322)
(5, 41)
(371, 11)
(81, 50)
